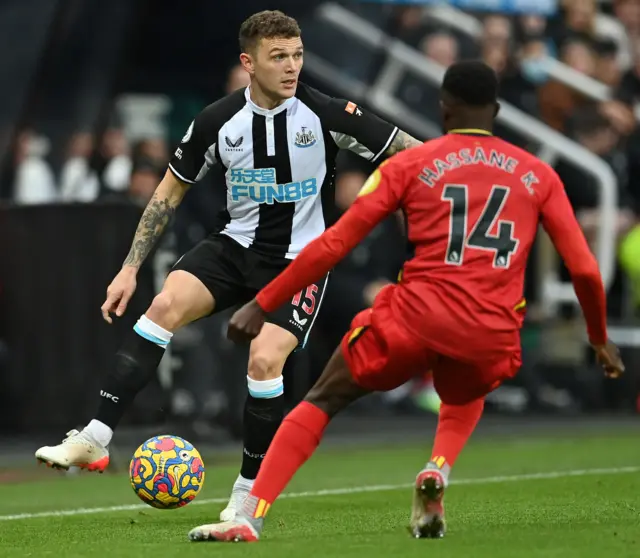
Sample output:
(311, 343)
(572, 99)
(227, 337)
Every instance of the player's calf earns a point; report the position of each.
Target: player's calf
(135, 365)
(300, 434)
(264, 407)
(335, 390)
(183, 296)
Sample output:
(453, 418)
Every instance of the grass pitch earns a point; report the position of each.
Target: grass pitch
(532, 497)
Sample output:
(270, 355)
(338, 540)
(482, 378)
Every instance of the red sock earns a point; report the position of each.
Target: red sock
(456, 423)
(296, 440)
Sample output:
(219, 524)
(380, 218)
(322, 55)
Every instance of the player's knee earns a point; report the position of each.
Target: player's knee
(265, 363)
(330, 403)
(328, 396)
(165, 311)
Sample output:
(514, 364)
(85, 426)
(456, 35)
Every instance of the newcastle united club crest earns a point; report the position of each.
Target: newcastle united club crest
(305, 138)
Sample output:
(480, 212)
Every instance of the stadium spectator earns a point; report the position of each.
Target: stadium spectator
(627, 21)
(497, 29)
(593, 131)
(533, 54)
(557, 100)
(531, 25)
(77, 183)
(151, 148)
(237, 79)
(441, 47)
(608, 69)
(408, 24)
(628, 93)
(89, 172)
(496, 55)
(34, 182)
(580, 15)
(144, 180)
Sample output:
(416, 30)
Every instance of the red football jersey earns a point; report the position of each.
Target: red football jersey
(472, 205)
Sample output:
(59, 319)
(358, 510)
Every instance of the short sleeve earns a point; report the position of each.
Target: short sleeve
(196, 153)
(350, 126)
(358, 130)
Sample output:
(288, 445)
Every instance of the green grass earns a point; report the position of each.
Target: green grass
(569, 516)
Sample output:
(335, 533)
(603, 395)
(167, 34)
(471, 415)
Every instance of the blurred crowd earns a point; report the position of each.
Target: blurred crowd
(598, 41)
(113, 169)
(602, 45)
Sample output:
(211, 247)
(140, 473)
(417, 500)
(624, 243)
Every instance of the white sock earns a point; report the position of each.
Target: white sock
(243, 484)
(265, 389)
(152, 332)
(100, 432)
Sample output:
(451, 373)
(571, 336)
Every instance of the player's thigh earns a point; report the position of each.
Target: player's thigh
(382, 357)
(336, 388)
(183, 299)
(298, 316)
(269, 352)
(458, 383)
(204, 280)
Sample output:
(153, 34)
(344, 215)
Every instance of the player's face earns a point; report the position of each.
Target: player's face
(276, 66)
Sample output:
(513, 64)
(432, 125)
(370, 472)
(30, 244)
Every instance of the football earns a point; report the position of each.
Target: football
(166, 472)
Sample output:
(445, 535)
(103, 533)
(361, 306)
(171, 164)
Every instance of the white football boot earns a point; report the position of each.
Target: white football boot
(239, 529)
(241, 489)
(78, 449)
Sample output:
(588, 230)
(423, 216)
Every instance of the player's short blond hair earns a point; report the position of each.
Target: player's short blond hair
(268, 24)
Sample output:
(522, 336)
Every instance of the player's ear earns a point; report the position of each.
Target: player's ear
(497, 110)
(444, 111)
(247, 62)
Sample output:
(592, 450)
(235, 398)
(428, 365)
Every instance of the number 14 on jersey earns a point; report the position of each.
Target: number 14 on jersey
(503, 244)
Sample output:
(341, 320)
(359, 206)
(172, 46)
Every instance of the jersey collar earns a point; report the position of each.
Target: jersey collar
(267, 112)
(471, 132)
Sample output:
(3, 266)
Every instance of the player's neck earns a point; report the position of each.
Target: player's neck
(261, 99)
(471, 131)
(472, 127)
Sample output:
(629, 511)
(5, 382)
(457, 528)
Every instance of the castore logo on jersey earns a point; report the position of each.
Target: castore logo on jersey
(233, 145)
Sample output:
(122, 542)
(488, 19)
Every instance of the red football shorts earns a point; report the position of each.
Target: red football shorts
(381, 356)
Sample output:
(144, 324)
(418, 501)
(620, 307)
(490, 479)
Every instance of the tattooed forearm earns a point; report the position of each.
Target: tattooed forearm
(155, 218)
(401, 142)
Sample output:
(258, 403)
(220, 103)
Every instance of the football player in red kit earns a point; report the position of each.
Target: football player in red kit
(472, 203)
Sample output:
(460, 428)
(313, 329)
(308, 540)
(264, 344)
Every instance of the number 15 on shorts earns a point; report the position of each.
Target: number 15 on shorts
(308, 303)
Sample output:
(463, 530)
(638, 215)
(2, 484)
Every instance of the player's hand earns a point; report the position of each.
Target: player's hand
(119, 293)
(608, 356)
(246, 323)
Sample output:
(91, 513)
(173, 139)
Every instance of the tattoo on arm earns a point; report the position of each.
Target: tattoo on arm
(154, 220)
(401, 142)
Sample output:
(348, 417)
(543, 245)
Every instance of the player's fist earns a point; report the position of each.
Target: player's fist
(608, 356)
(119, 293)
(246, 323)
